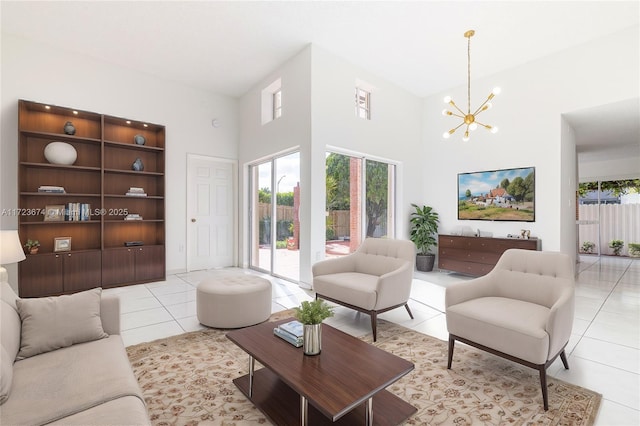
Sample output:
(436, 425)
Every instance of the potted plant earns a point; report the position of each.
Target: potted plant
(311, 314)
(588, 247)
(32, 246)
(616, 245)
(424, 227)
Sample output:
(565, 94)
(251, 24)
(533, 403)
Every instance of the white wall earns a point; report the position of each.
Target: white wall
(38, 72)
(318, 111)
(289, 132)
(610, 169)
(528, 113)
(393, 134)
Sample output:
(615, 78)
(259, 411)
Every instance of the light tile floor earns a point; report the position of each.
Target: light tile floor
(603, 352)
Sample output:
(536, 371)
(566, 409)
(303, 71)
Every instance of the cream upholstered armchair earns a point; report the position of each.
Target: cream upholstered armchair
(374, 279)
(522, 310)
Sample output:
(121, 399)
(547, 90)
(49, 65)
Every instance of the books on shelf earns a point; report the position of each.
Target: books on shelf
(291, 331)
(51, 189)
(74, 212)
(133, 216)
(135, 192)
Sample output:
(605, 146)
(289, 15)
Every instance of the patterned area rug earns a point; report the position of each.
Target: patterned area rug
(187, 380)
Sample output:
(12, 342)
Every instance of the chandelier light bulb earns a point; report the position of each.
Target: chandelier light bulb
(494, 130)
(496, 91)
(488, 105)
(473, 126)
(465, 138)
(446, 135)
(447, 99)
(445, 112)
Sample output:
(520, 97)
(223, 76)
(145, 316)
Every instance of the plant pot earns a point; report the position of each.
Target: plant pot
(424, 262)
(312, 339)
(33, 250)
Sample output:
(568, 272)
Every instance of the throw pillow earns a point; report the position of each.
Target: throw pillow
(50, 323)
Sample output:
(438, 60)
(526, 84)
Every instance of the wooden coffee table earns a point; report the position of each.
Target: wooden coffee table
(345, 384)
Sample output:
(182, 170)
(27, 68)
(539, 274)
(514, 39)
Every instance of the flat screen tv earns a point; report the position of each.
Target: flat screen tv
(500, 195)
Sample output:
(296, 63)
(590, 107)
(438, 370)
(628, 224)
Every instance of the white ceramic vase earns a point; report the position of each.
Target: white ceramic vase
(60, 153)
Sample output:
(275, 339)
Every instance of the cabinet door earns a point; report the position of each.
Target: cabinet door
(40, 275)
(118, 266)
(149, 263)
(81, 270)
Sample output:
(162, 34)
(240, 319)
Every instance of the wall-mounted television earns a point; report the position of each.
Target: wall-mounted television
(500, 195)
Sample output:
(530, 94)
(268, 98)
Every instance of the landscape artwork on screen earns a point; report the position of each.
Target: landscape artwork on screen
(507, 195)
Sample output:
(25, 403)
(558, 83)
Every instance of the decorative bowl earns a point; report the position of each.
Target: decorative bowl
(60, 153)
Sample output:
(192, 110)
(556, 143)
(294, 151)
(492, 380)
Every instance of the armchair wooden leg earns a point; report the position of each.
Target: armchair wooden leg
(543, 385)
(452, 341)
(406, 305)
(563, 357)
(374, 321)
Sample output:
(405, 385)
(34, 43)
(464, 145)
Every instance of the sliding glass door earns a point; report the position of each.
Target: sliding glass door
(360, 194)
(275, 224)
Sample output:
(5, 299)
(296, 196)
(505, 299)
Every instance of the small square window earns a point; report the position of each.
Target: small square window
(363, 103)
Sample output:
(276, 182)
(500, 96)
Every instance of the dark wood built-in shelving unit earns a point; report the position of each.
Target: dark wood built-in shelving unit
(100, 177)
(477, 255)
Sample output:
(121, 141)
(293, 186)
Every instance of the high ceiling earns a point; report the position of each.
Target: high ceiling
(226, 47)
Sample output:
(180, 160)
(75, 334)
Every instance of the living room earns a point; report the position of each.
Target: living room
(317, 89)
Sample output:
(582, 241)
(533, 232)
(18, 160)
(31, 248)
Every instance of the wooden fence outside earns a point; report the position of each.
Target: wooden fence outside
(615, 221)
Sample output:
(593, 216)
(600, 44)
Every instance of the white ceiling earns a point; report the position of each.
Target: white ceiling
(228, 46)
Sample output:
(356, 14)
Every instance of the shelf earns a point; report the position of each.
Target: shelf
(100, 177)
(58, 166)
(133, 146)
(133, 172)
(61, 137)
(130, 197)
(57, 194)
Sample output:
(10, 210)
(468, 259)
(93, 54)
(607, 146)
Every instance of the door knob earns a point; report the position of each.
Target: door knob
(193, 220)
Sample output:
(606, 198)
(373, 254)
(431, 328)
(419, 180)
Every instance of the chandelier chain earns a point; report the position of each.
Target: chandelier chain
(469, 75)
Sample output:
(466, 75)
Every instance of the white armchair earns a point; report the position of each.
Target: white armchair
(374, 279)
(522, 310)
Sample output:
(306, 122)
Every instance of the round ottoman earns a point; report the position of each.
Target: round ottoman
(233, 301)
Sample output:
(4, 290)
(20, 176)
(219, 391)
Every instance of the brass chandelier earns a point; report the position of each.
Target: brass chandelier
(469, 119)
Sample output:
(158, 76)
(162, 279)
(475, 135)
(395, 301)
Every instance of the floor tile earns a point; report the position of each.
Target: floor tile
(151, 332)
(143, 318)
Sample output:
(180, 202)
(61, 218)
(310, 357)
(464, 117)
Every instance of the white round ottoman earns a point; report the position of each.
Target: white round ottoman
(233, 301)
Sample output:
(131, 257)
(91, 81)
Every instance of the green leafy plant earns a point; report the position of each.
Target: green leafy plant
(30, 244)
(616, 245)
(313, 312)
(424, 227)
(588, 246)
(634, 249)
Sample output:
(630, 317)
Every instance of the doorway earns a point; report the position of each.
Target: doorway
(211, 212)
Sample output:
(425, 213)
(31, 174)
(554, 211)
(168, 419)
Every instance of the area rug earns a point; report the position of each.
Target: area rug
(187, 380)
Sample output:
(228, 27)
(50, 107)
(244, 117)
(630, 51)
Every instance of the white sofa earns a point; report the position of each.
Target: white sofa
(374, 279)
(63, 362)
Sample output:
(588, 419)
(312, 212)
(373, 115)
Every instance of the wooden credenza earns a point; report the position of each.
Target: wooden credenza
(477, 255)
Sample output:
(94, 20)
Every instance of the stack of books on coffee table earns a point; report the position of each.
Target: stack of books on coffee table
(291, 331)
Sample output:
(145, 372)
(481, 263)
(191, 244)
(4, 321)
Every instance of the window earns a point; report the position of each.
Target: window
(272, 102)
(277, 104)
(363, 103)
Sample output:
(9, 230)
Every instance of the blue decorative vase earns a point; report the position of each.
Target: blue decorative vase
(137, 165)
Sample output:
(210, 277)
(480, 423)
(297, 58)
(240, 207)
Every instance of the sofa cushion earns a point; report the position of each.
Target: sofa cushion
(128, 410)
(9, 338)
(50, 323)
(57, 384)
(353, 288)
(511, 326)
